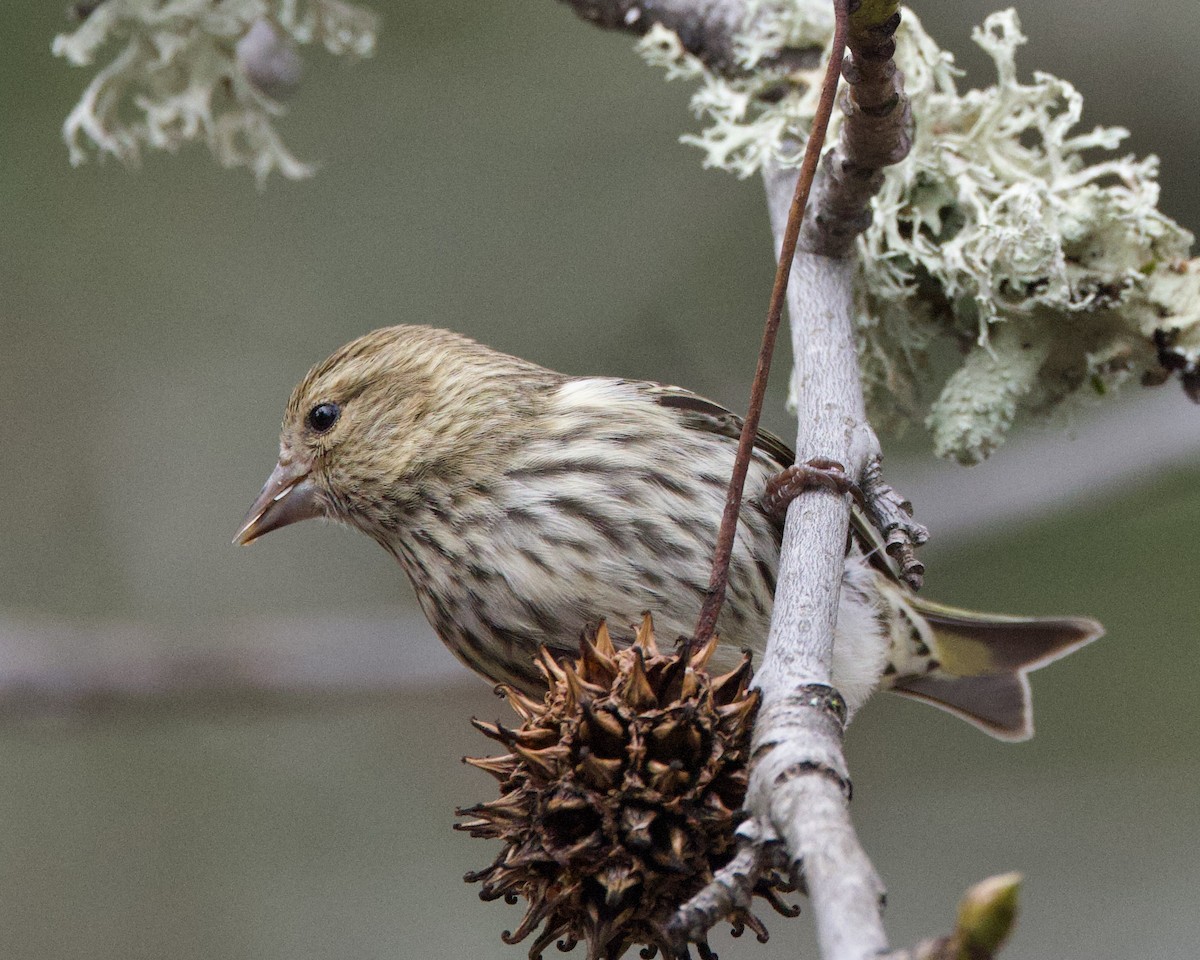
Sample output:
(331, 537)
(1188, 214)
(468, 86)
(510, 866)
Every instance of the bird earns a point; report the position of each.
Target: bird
(525, 505)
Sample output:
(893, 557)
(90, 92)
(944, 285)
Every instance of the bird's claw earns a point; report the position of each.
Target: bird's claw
(892, 516)
(784, 487)
(887, 510)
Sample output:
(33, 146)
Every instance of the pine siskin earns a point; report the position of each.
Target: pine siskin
(524, 504)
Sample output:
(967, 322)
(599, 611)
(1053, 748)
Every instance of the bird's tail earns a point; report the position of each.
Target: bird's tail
(974, 665)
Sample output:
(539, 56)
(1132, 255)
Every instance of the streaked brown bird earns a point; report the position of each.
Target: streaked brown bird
(524, 504)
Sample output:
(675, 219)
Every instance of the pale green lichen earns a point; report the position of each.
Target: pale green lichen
(178, 76)
(771, 26)
(1058, 278)
(745, 132)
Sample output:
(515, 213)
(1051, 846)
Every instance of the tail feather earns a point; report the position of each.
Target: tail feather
(998, 704)
(977, 663)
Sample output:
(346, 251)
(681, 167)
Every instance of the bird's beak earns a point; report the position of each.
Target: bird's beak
(288, 496)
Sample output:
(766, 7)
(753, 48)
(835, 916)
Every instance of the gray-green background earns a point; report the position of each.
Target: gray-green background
(501, 169)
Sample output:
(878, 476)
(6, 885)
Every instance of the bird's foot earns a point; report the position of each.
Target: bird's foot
(892, 516)
(887, 510)
(786, 486)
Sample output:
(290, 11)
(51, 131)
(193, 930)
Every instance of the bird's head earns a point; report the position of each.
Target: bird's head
(369, 431)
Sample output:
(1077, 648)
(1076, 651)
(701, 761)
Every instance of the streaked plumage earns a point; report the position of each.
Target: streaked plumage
(523, 504)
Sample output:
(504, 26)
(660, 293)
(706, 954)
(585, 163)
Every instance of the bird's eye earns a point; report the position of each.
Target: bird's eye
(323, 416)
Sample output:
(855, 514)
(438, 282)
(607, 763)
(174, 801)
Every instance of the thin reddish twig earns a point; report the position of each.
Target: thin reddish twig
(719, 578)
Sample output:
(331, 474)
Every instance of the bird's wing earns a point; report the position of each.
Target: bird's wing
(701, 414)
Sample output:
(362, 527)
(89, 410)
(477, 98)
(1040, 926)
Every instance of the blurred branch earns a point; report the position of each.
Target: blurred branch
(59, 668)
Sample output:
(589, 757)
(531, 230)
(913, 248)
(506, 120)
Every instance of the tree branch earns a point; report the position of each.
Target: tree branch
(877, 132)
(789, 235)
(797, 777)
(799, 781)
(706, 28)
(798, 771)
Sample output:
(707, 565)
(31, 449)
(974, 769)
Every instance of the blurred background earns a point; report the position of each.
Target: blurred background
(218, 752)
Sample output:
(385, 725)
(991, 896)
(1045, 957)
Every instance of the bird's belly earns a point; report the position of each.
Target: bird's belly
(499, 635)
(497, 624)
(560, 549)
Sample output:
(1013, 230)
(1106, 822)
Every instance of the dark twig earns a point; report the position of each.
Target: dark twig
(808, 168)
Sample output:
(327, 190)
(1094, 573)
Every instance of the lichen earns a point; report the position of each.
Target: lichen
(195, 70)
(1057, 277)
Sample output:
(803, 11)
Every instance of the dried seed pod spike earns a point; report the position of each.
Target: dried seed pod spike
(664, 731)
(671, 680)
(741, 712)
(545, 938)
(499, 767)
(572, 686)
(536, 913)
(495, 731)
(730, 686)
(616, 881)
(507, 807)
(593, 664)
(693, 739)
(637, 690)
(778, 904)
(478, 876)
(636, 823)
(605, 721)
(666, 778)
(678, 843)
(701, 657)
(549, 667)
(751, 921)
(477, 828)
(603, 642)
(645, 636)
(600, 772)
(689, 686)
(544, 762)
(533, 738)
(526, 707)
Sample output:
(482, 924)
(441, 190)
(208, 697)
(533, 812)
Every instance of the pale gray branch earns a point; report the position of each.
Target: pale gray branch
(799, 771)
(732, 888)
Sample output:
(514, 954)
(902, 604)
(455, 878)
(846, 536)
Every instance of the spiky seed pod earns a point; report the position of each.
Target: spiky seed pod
(619, 796)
